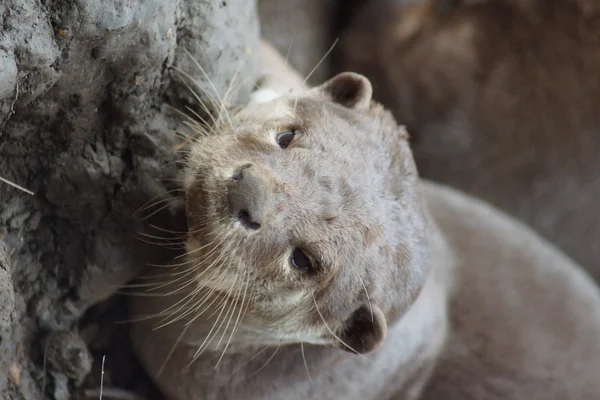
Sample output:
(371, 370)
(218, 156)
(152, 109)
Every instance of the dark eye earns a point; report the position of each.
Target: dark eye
(284, 139)
(300, 260)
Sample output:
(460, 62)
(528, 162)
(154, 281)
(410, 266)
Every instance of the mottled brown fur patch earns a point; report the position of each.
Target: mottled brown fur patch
(371, 234)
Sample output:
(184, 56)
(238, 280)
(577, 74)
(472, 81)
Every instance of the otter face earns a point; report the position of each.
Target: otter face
(305, 211)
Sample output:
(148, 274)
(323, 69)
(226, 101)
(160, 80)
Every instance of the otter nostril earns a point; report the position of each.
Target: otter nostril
(238, 173)
(245, 219)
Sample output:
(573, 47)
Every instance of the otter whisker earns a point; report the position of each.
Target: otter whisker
(200, 248)
(171, 351)
(177, 315)
(209, 111)
(199, 127)
(205, 342)
(216, 261)
(210, 82)
(163, 239)
(250, 360)
(232, 308)
(170, 246)
(267, 362)
(206, 309)
(368, 298)
(198, 131)
(185, 273)
(232, 86)
(153, 282)
(200, 121)
(287, 54)
(183, 233)
(180, 238)
(187, 307)
(320, 61)
(141, 318)
(314, 69)
(206, 256)
(199, 304)
(152, 316)
(306, 365)
(175, 161)
(169, 202)
(197, 97)
(245, 284)
(201, 350)
(150, 203)
(160, 285)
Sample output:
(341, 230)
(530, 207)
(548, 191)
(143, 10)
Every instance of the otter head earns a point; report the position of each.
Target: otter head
(304, 212)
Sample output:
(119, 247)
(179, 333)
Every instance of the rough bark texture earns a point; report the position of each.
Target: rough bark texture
(84, 124)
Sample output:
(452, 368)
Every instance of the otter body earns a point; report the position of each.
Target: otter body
(502, 99)
(319, 265)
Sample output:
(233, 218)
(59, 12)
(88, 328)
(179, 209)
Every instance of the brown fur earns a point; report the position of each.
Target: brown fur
(503, 100)
(447, 299)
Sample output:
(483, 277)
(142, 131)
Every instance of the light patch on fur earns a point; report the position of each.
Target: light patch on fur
(371, 234)
(411, 21)
(283, 302)
(224, 173)
(264, 96)
(457, 40)
(276, 110)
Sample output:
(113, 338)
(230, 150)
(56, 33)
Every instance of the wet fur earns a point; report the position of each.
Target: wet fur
(502, 99)
(441, 295)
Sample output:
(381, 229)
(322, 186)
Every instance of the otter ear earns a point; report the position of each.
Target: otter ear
(349, 89)
(364, 331)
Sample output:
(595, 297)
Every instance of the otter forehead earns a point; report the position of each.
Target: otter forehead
(332, 143)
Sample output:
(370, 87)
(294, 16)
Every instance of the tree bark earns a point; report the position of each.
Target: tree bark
(85, 125)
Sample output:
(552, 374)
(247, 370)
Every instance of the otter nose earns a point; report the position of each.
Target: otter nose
(248, 196)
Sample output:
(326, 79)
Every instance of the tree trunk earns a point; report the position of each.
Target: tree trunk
(84, 125)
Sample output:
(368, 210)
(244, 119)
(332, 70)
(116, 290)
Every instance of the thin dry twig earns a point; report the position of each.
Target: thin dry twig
(102, 377)
(12, 106)
(113, 393)
(16, 186)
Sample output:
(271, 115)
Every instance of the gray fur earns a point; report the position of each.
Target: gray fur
(467, 303)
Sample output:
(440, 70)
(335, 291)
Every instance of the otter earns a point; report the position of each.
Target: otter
(320, 265)
(502, 100)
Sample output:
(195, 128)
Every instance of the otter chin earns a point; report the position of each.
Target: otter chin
(318, 265)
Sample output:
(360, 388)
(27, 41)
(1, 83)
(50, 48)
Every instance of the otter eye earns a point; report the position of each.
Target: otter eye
(284, 139)
(300, 260)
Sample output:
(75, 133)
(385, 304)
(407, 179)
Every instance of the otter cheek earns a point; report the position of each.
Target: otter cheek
(364, 331)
